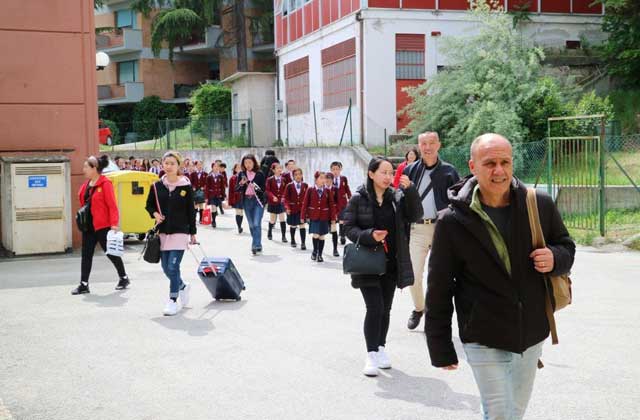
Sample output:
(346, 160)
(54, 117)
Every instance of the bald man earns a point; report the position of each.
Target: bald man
(482, 257)
(432, 177)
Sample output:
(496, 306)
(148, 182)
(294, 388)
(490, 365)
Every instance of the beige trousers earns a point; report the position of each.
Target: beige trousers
(419, 247)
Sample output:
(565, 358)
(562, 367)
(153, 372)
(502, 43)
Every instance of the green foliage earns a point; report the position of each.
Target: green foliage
(179, 21)
(548, 100)
(118, 113)
(490, 78)
(210, 100)
(622, 48)
(115, 132)
(148, 112)
(589, 104)
(626, 105)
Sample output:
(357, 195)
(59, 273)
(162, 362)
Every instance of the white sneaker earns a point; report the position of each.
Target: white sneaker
(172, 308)
(184, 294)
(371, 364)
(383, 359)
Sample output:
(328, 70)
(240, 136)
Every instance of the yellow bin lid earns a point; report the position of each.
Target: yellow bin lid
(131, 176)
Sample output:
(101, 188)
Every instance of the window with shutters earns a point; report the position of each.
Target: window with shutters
(296, 80)
(410, 56)
(339, 75)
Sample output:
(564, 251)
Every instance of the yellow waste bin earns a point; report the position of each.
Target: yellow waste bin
(131, 190)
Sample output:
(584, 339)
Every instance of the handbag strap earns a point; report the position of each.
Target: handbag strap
(537, 240)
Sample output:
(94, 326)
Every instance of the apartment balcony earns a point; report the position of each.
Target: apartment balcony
(119, 41)
(124, 93)
(204, 45)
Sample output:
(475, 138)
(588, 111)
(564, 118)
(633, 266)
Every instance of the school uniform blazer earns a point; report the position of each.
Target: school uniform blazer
(292, 200)
(343, 193)
(288, 179)
(316, 207)
(275, 194)
(198, 180)
(234, 196)
(214, 186)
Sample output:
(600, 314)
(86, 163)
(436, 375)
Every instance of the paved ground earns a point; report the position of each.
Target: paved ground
(291, 349)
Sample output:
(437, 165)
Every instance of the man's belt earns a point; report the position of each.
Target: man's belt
(426, 221)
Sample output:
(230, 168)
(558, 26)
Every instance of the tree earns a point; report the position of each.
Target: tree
(178, 21)
(622, 48)
(489, 78)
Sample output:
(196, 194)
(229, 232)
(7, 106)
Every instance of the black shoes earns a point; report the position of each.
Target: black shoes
(254, 251)
(314, 256)
(414, 320)
(343, 240)
(336, 253)
(293, 244)
(303, 247)
(81, 289)
(284, 239)
(240, 230)
(320, 259)
(123, 283)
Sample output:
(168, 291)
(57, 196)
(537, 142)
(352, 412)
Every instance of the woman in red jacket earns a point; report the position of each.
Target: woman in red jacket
(410, 157)
(319, 208)
(98, 192)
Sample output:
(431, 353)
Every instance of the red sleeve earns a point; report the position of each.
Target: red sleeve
(83, 188)
(333, 210)
(347, 190)
(286, 198)
(396, 179)
(305, 203)
(206, 188)
(110, 200)
(271, 196)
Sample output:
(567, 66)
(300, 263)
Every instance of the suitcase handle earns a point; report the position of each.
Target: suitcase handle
(213, 268)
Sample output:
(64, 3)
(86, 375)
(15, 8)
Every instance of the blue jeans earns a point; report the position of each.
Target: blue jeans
(254, 211)
(504, 379)
(170, 261)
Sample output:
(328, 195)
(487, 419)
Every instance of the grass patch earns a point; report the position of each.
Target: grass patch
(619, 225)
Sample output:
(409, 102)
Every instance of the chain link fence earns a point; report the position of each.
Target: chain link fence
(183, 134)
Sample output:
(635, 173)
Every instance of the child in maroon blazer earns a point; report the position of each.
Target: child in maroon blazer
(198, 180)
(214, 191)
(343, 195)
(235, 198)
(319, 208)
(334, 223)
(275, 201)
(294, 194)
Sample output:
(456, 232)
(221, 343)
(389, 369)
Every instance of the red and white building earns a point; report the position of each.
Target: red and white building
(331, 53)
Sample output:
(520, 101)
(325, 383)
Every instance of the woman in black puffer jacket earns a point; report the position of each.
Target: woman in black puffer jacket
(378, 214)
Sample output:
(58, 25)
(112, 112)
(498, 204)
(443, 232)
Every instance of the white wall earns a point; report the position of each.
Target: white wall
(301, 129)
(256, 99)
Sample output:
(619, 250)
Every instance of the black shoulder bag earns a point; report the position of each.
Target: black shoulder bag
(83, 215)
(363, 260)
(151, 250)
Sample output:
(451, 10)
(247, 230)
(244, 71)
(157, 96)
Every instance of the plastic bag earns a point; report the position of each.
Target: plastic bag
(115, 243)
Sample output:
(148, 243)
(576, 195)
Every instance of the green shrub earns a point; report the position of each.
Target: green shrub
(211, 100)
(147, 113)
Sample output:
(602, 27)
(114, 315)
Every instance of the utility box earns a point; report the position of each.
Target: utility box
(35, 194)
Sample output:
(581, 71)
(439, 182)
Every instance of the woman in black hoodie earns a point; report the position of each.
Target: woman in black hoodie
(380, 215)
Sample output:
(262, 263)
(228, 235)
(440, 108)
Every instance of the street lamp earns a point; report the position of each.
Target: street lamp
(102, 60)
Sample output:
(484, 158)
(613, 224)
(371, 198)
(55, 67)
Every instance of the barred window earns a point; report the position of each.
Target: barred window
(339, 75)
(296, 80)
(410, 56)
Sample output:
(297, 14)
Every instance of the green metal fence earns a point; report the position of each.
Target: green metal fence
(183, 134)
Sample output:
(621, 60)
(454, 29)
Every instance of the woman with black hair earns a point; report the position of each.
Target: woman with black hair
(103, 216)
(379, 215)
(251, 186)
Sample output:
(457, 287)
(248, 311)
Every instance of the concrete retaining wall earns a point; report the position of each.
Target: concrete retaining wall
(354, 159)
(577, 199)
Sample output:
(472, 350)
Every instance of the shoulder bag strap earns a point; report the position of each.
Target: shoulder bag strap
(155, 191)
(537, 239)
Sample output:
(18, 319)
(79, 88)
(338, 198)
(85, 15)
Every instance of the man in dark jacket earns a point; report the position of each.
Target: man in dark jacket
(266, 162)
(483, 258)
(432, 177)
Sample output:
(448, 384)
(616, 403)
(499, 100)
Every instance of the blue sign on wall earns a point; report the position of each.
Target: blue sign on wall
(38, 181)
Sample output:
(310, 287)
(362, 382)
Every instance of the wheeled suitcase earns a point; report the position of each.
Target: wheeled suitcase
(220, 277)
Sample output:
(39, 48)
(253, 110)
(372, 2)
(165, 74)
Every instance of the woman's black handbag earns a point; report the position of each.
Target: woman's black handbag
(363, 260)
(151, 250)
(83, 215)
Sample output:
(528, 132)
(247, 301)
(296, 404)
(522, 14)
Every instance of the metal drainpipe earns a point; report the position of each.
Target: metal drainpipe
(361, 21)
